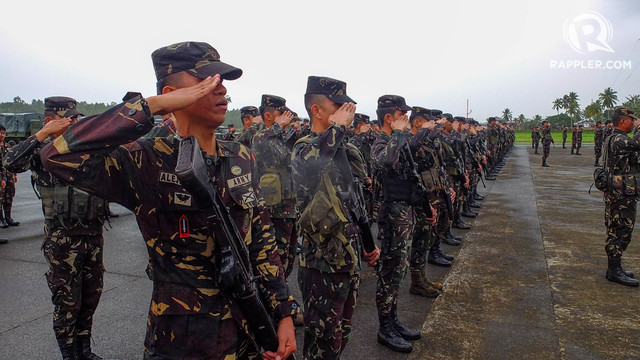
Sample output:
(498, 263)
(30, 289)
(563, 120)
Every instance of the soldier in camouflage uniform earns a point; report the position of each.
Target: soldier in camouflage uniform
(535, 136)
(272, 148)
(73, 244)
(190, 315)
(579, 139)
(393, 165)
(251, 121)
(230, 135)
(598, 139)
(622, 161)
(324, 165)
(574, 135)
(546, 142)
(492, 148)
(608, 129)
(8, 191)
(362, 140)
(565, 128)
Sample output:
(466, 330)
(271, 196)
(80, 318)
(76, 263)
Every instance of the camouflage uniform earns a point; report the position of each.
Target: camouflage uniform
(248, 112)
(578, 140)
(564, 137)
(272, 149)
(228, 136)
(329, 273)
(190, 316)
(598, 139)
(546, 143)
(535, 134)
(73, 243)
(574, 135)
(9, 192)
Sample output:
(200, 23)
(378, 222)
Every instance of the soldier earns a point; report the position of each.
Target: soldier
(565, 128)
(73, 244)
(306, 128)
(598, 139)
(579, 139)
(8, 191)
(164, 129)
(574, 135)
(536, 137)
(546, 142)
(533, 137)
(190, 315)
(608, 129)
(391, 159)
(323, 168)
(622, 163)
(251, 122)
(272, 148)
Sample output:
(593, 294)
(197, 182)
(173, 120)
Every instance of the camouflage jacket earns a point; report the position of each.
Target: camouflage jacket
(6, 174)
(598, 136)
(492, 137)
(26, 156)
(622, 160)
(363, 142)
(546, 135)
(535, 135)
(272, 148)
(452, 158)
(226, 136)
(330, 237)
(427, 153)
(99, 155)
(164, 129)
(564, 133)
(247, 136)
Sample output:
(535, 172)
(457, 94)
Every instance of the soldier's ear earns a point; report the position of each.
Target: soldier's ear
(168, 88)
(315, 111)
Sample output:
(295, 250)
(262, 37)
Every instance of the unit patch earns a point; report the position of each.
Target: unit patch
(239, 181)
(184, 226)
(182, 199)
(248, 199)
(236, 170)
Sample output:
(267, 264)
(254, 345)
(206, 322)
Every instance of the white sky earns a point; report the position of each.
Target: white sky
(437, 54)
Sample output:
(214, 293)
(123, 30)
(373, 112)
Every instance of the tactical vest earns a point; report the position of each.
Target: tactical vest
(429, 169)
(452, 163)
(70, 207)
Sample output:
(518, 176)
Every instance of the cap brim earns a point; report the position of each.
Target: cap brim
(71, 113)
(404, 107)
(340, 99)
(226, 71)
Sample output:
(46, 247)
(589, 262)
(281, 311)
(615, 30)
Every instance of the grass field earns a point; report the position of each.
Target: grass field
(524, 136)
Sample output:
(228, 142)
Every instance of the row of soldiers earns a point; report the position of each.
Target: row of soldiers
(418, 175)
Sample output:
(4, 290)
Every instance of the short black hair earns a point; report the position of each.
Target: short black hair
(2, 128)
(169, 80)
(382, 112)
(310, 99)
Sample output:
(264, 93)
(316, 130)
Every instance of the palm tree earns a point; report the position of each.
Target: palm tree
(609, 98)
(593, 110)
(633, 103)
(565, 102)
(557, 105)
(574, 111)
(507, 115)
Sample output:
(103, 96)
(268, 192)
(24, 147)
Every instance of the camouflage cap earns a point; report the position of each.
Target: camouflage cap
(375, 122)
(491, 119)
(623, 111)
(448, 116)
(62, 105)
(249, 110)
(417, 111)
(360, 118)
(393, 101)
(436, 113)
(333, 89)
(196, 58)
(460, 119)
(472, 121)
(277, 102)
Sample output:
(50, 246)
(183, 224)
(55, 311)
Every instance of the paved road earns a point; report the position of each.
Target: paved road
(526, 284)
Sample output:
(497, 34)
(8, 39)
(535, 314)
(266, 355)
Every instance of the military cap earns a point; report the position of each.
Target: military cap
(623, 111)
(305, 120)
(581, 126)
(436, 113)
(375, 122)
(393, 101)
(249, 110)
(544, 122)
(196, 58)
(417, 111)
(62, 105)
(471, 121)
(460, 119)
(335, 90)
(277, 102)
(448, 116)
(360, 118)
(491, 119)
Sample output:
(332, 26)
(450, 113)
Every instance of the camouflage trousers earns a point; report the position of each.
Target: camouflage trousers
(564, 140)
(546, 148)
(287, 240)
(394, 231)
(75, 280)
(329, 302)
(619, 217)
(8, 193)
(537, 144)
(597, 148)
(422, 238)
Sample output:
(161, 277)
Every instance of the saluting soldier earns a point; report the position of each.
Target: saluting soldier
(190, 316)
(547, 139)
(598, 139)
(251, 122)
(565, 128)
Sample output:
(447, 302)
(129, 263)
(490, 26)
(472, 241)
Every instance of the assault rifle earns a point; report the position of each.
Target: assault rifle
(236, 274)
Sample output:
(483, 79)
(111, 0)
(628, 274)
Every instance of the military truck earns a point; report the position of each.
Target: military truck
(21, 126)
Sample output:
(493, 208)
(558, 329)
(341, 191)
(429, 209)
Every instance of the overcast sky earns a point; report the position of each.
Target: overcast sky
(437, 54)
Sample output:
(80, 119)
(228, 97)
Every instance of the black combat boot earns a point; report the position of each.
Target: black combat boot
(450, 241)
(578, 152)
(571, 151)
(7, 215)
(615, 273)
(69, 351)
(420, 286)
(477, 196)
(490, 176)
(473, 203)
(444, 255)
(389, 337)
(3, 223)
(84, 349)
(458, 223)
(405, 332)
(435, 258)
(450, 235)
(466, 211)
(3, 241)
(545, 164)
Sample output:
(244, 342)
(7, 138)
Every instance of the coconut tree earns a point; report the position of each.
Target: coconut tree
(574, 111)
(609, 98)
(557, 105)
(507, 115)
(594, 110)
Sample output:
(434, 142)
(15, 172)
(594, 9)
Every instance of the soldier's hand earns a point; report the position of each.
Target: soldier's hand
(453, 195)
(402, 123)
(54, 126)
(183, 97)
(434, 216)
(286, 341)
(285, 119)
(344, 115)
(429, 125)
(3, 184)
(372, 257)
(256, 120)
(484, 159)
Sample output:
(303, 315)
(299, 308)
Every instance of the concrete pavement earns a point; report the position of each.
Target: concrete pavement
(527, 283)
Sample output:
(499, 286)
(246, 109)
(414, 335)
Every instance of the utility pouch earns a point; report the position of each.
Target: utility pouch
(271, 186)
(79, 204)
(323, 214)
(48, 201)
(61, 201)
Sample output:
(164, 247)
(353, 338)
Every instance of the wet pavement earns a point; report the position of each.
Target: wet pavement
(527, 283)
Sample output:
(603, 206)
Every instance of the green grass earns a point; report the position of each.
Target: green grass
(524, 136)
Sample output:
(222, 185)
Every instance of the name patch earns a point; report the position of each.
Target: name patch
(169, 178)
(239, 181)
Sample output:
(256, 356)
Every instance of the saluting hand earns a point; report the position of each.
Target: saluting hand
(429, 125)
(54, 126)
(257, 120)
(402, 123)
(285, 119)
(344, 115)
(182, 97)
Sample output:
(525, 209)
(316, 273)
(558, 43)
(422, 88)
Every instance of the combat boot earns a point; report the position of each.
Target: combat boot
(434, 258)
(450, 241)
(466, 211)
(84, 349)
(490, 176)
(477, 196)
(596, 164)
(450, 235)
(545, 164)
(571, 151)
(420, 287)
(68, 351)
(616, 274)
(389, 337)
(578, 152)
(405, 332)
(444, 255)
(3, 223)
(473, 203)
(7, 216)
(460, 224)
